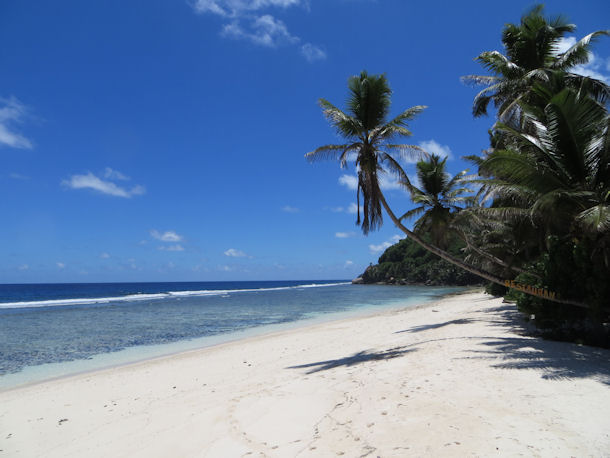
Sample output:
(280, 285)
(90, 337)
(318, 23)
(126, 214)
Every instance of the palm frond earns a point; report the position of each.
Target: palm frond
(369, 99)
(393, 166)
(346, 125)
(498, 63)
(413, 212)
(595, 219)
(407, 152)
(479, 80)
(326, 152)
(579, 52)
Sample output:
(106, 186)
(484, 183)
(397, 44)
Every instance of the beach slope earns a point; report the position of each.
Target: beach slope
(455, 378)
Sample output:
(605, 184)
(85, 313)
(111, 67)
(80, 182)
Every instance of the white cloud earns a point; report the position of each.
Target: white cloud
(114, 175)
(312, 53)
(384, 245)
(18, 176)
(12, 112)
(233, 253)
(289, 209)
(104, 256)
(432, 146)
(387, 182)
(233, 8)
(167, 236)
(380, 247)
(250, 20)
(593, 68)
(349, 181)
(91, 181)
(60, 265)
(264, 30)
(344, 235)
(565, 43)
(348, 263)
(351, 209)
(176, 247)
(23, 267)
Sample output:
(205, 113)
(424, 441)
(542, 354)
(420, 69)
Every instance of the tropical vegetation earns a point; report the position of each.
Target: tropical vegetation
(540, 216)
(407, 263)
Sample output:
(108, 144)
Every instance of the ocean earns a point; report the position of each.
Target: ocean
(52, 330)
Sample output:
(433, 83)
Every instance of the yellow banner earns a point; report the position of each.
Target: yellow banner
(540, 292)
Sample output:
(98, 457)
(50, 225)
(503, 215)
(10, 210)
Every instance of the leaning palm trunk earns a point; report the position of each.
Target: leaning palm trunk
(458, 262)
(491, 257)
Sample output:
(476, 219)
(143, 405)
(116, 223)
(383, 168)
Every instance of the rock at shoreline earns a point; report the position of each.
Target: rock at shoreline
(358, 281)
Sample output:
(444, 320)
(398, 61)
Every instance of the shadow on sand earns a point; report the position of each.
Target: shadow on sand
(519, 351)
(556, 360)
(526, 350)
(357, 358)
(427, 327)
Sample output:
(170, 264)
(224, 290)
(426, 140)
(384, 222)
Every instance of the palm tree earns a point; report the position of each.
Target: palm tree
(532, 55)
(441, 201)
(557, 167)
(552, 174)
(440, 197)
(370, 137)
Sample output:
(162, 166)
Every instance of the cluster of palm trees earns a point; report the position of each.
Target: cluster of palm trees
(543, 187)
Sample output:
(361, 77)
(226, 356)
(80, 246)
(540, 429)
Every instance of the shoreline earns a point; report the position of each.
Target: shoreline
(213, 341)
(453, 376)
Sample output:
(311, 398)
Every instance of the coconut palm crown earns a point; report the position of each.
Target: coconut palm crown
(557, 166)
(371, 140)
(438, 197)
(532, 54)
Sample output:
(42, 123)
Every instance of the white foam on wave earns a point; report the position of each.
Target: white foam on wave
(153, 296)
(81, 301)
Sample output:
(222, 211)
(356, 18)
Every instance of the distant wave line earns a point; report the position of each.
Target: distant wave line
(153, 296)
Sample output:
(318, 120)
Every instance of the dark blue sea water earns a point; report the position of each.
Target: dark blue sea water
(58, 323)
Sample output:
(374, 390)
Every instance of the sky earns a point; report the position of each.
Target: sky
(165, 140)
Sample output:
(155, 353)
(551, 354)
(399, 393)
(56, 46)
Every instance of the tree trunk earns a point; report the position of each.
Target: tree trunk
(492, 258)
(458, 262)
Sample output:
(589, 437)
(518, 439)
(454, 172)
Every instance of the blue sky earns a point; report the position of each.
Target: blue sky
(164, 141)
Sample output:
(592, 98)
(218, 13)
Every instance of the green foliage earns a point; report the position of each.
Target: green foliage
(531, 54)
(371, 137)
(406, 262)
(570, 268)
(496, 290)
(548, 172)
(542, 214)
(439, 198)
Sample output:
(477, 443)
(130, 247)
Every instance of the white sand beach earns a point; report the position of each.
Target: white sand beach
(456, 378)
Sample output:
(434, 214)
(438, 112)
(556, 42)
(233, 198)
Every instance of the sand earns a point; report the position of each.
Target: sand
(458, 378)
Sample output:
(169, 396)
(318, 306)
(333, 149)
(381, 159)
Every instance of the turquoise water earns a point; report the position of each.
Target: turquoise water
(52, 330)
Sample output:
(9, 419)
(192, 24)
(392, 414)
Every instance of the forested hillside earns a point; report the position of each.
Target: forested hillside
(408, 263)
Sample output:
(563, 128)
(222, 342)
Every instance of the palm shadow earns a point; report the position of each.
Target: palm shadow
(427, 327)
(527, 350)
(522, 351)
(556, 360)
(357, 358)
